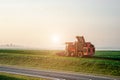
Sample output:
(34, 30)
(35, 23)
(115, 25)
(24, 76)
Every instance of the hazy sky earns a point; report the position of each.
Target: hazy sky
(32, 23)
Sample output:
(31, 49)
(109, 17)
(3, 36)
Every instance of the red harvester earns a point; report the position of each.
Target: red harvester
(79, 48)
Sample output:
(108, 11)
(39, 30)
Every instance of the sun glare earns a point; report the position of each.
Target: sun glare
(55, 39)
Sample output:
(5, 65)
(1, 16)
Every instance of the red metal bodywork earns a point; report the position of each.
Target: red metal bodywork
(79, 48)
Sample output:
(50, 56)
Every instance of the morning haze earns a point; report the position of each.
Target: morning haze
(49, 23)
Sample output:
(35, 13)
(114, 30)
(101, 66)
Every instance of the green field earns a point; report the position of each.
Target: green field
(113, 55)
(7, 76)
(103, 62)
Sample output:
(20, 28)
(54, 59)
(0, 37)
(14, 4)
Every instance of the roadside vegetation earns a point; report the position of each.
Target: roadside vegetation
(103, 62)
(7, 76)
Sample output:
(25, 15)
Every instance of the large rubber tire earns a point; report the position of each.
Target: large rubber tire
(80, 54)
(68, 54)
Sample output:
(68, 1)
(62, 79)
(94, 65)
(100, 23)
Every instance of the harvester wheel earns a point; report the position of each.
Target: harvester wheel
(80, 54)
(68, 54)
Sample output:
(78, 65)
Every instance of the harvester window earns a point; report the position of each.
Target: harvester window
(88, 49)
(85, 50)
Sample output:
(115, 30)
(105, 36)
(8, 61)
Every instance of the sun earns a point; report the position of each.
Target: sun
(55, 38)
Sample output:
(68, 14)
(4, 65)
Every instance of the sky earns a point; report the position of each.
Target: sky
(50, 23)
